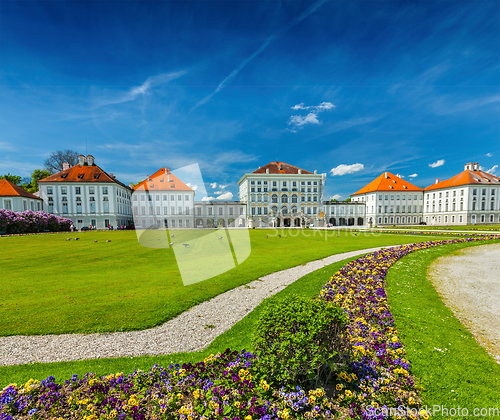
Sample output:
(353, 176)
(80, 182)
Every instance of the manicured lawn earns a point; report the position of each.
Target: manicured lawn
(237, 338)
(51, 285)
(453, 369)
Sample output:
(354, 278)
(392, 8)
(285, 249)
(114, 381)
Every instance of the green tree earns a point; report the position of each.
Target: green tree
(15, 179)
(37, 175)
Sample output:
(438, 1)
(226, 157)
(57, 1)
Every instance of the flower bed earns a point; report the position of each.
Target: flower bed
(29, 221)
(375, 374)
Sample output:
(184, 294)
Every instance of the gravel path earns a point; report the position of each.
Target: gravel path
(185, 333)
(469, 284)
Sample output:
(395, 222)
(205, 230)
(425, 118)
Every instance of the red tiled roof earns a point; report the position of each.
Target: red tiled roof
(280, 168)
(84, 173)
(162, 180)
(8, 189)
(388, 182)
(467, 177)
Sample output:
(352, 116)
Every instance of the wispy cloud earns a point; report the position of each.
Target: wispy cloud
(439, 162)
(270, 39)
(412, 176)
(489, 154)
(225, 196)
(346, 169)
(213, 185)
(297, 121)
(493, 170)
(208, 198)
(323, 106)
(137, 91)
(193, 187)
(335, 197)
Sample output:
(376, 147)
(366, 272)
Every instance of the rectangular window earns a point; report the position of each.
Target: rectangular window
(158, 210)
(165, 210)
(49, 190)
(104, 190)
(64, 190)
(77, 190)
(106, 206)
(220, 211)
(230, 211)
(92, 206)
(157, 197)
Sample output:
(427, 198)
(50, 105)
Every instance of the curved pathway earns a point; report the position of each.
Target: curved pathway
(192, 330)
(468, 282)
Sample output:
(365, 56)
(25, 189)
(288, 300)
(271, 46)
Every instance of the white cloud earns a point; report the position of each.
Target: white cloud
(347, 169)
(213, 185)
(335, 197)
(193, 187)
(412, 176)
(207, 199)
(492, 170)
(217, 192)
(323, 106)
(222, 186)
(489, 154)
(134, 92)
(298, 120)
(225, 196)
(439, 162)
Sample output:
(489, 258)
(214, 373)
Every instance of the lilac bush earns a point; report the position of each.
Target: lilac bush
(29, 221)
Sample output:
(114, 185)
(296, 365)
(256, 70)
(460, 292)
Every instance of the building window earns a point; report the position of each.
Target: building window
(104, 190)
(284, 198)
(198, 211)
(220, 211)
(165, 210)
(49, 190)
(230, 211)
(77, 190)
(91, 190)
(8, 204)
(274, 198)
(92, 206)
(157, 197)
(210, 211)
(64, 190)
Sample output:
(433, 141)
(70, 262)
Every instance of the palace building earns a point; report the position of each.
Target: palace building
(16, 199)
(275, 195)
(87, 195)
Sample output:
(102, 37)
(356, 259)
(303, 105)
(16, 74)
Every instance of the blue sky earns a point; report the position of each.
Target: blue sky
(408, 87)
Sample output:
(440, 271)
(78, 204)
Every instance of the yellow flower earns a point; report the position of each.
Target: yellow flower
(375, 404)
(354, 377)
(348, 393)
(312, 400)
(319, 393)
(237, 404)
(112, 414)
(180, 396)
(196, 394)
(248, 418)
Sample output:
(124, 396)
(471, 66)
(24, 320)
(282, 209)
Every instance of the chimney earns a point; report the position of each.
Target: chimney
(111, 175)
(267, 170)
(386, 176)
(90, 160)
(398, 175)
(81, 160)
(65, 166)
(300, 171)
(476, 166)
(437, 180)
(315, 171)
(131, 185)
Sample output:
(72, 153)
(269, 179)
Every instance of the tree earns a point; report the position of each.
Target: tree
(15, 179)
(37, 175)
(55, 161)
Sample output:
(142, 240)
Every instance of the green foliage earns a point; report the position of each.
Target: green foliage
(15, 179)
(37, 175)
(296, 337)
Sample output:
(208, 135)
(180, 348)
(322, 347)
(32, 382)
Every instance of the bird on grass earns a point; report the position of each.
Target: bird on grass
(186, 245)
(95, 240)
(172, 235)
(279, 236)
(220, 237)
(107, 240)
(69, 239)
(76, 239)
(172, 243)
(266, 236)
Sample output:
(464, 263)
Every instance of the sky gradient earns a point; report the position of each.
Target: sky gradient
(350, 88)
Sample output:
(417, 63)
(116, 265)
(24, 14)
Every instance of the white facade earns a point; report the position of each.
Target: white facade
(87, 195)
(17, 203)
(282, 199)
(392, 207)
(343, 213)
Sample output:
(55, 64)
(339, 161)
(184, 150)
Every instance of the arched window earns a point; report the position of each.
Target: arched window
(294, 210)
(284, 198)
(284, 210)
(274, 198)
(294, 198)
(274, 210)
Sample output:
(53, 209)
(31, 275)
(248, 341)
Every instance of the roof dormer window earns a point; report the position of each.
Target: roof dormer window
(64, 175)
(96, 176)
(80, 176)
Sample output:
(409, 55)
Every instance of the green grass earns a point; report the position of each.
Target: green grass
(50, 285)
(463, 375)
(239, 337)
